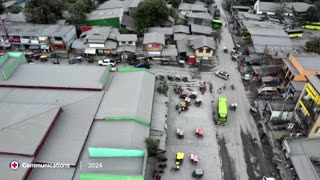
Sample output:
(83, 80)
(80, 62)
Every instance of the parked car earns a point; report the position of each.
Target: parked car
(106, 62)
(268, 91)
(143, 65)
(222, 74)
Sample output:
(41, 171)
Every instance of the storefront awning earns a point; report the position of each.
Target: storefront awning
(34, 47)
(90, 51)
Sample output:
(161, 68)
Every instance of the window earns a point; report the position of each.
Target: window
(130, 42)
(200, 50)
(208, 51)
(123, 42)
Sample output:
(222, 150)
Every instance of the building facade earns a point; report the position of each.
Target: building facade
(307, 109)
(39, 37)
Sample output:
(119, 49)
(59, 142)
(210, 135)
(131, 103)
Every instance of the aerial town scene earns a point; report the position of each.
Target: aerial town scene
(159, 89)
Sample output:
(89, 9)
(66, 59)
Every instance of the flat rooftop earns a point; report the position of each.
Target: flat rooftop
(56, 77)
(128, 95)
(308, 62)
(29, 29)
(105, 14)
(314, 81)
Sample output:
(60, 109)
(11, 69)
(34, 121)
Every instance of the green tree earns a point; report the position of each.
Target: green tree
(15, 9)
(281, 10)
(78, 10)
(152, 146)
(150, 13)
(43, 11)
(312, 14)
(313, 44)
(2, 7)
(175, 3)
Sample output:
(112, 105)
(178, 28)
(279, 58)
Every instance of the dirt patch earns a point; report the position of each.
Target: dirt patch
(227, 163)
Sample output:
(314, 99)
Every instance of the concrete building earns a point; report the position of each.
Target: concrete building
(297, 66)
(127, 45)
(204, 49)
(307, 109)
(304, 158)
(154, 43)
(39, 36)
(93, 116)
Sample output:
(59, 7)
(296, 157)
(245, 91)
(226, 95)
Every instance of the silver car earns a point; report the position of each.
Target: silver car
(222, 74)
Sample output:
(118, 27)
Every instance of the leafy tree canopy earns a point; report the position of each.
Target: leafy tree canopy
(15, 9)
(2, 7)
(43, 11)
(313, 44)
(150, 13)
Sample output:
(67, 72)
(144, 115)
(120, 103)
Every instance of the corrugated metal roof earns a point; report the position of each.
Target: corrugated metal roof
(129, 94)
(163, 30)
(127, 37)
(290, 66)
(308, 62)
(170, 50)
(25, 125)
(154, 37)
(125, 134)
(183, 47)
(195, 28)
(202, 41)
(181, 29)
(67, 137)
(304, 168)
(200, 15)
(48, 75)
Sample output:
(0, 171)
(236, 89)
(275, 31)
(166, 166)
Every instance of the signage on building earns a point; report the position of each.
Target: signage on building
(26, 41)
(34, 42)
(96, 45)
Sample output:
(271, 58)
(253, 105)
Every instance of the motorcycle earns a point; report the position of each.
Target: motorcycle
(232, 87)
(220, 90)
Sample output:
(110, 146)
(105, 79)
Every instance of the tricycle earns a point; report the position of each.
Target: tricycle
(233, 106)
(194, 159)
(171, 77)
(199, 132)
(188, 101)
(180, 134)
(225, 49)
(182, 106)
(179, 158)
(198, 102)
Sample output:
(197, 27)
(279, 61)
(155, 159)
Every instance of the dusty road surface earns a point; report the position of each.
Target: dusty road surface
(225, 152)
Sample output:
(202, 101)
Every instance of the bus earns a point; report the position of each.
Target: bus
(312, 26)
(295, 33)
(216, 24)
(222, 111)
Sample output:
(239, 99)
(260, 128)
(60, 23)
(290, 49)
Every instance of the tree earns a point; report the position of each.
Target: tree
(150, 13)
(281, 10)
(175, 3)
(312, 14)
(43, 11)
(15, 9)
(2, 7)
(313, 44)
(78, 10)
(152, 146)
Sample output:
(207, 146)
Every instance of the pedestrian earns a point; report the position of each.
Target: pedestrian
(179, 111)
(154, 174)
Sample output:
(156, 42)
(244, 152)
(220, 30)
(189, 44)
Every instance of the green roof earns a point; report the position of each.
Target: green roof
(113, 152)
(108, 177)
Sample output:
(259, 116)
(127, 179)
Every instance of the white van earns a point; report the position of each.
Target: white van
(267, 91)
